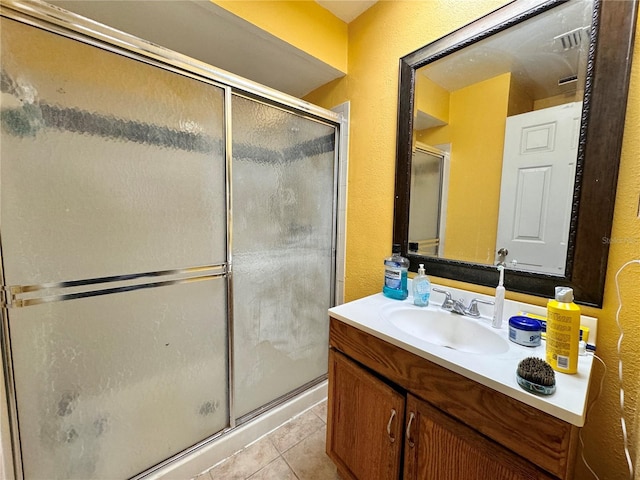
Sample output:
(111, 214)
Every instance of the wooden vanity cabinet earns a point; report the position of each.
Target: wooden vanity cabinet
(451, 428)
(366, 422)
(439, 447)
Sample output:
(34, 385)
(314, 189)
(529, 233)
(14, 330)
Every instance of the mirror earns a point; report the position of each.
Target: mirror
(504, 114)
(497, 159)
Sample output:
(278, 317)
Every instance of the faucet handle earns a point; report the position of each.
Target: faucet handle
(448, 299)
(472, 310)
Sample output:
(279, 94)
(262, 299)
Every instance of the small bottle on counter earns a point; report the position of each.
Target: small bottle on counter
(421, 288)
(396, 268)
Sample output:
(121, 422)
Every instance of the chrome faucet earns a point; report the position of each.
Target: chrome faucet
(457, 306)
(472, 310)
(447, 304)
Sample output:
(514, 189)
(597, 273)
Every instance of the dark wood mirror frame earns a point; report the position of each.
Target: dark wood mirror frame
(601, 132)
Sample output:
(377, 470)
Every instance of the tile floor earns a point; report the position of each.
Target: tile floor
(294, 451)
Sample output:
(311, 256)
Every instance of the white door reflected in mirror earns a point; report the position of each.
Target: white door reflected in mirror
(464, 101)
(536, 193)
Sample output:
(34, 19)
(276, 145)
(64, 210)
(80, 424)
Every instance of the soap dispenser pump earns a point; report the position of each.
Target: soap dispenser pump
(421, 288)
(499, 300)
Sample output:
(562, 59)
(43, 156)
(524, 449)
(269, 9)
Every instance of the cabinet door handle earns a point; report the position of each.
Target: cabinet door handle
(411, 418)
(393, 414)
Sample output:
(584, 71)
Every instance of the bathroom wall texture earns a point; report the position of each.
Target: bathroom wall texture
(376, 41)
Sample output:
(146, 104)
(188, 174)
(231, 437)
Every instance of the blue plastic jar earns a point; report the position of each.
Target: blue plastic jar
(525, 331)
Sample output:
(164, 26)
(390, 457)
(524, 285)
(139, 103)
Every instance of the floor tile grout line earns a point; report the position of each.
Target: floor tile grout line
(268, 436)
(270, 440)
(264, 466)
(299, 441)
(322, 419)
(290, 468)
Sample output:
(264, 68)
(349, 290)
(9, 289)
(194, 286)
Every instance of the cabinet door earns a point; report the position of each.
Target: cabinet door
(437, 447)
(364, 422)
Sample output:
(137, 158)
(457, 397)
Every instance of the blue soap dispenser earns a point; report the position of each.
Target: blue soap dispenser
(421, 288)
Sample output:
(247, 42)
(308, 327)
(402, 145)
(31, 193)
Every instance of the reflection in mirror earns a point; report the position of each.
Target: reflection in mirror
(427, 205)
(508, 110)
(495, 114)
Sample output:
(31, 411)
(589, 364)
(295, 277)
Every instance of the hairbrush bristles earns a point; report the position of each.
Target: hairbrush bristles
(536, 375)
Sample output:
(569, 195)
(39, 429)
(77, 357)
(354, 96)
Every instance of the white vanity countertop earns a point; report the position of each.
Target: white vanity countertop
(496, 371)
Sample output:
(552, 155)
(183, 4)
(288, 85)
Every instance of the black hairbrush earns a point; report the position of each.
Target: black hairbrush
(536, 376)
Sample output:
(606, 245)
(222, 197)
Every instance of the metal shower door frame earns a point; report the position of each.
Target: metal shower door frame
(58, 21)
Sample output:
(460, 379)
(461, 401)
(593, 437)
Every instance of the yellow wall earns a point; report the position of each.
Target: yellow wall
(303, 24)
(478, 115)
(377, 40)
(477, 118)
(561, 99)
(519, 99)
(431, 98)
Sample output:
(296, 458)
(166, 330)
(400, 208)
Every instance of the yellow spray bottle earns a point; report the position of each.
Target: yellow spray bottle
(563, 331)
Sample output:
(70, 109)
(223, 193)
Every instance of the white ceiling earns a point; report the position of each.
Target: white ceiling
(202, 30)
(533, 53)
(346, 10)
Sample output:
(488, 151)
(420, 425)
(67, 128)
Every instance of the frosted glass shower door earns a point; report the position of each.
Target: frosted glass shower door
(283, 203)
(425, 205)
(113, 207)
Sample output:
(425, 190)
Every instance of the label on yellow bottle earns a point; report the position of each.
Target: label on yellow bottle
(563, 336)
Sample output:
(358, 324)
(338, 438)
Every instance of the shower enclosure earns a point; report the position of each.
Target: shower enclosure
(168, 247)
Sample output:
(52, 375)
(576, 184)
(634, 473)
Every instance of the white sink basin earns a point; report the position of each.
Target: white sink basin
(445, 329)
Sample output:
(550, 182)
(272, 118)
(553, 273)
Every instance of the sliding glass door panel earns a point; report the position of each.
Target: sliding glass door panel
(283, 191)
(109, 386)
(116, 256)
(110, 166)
